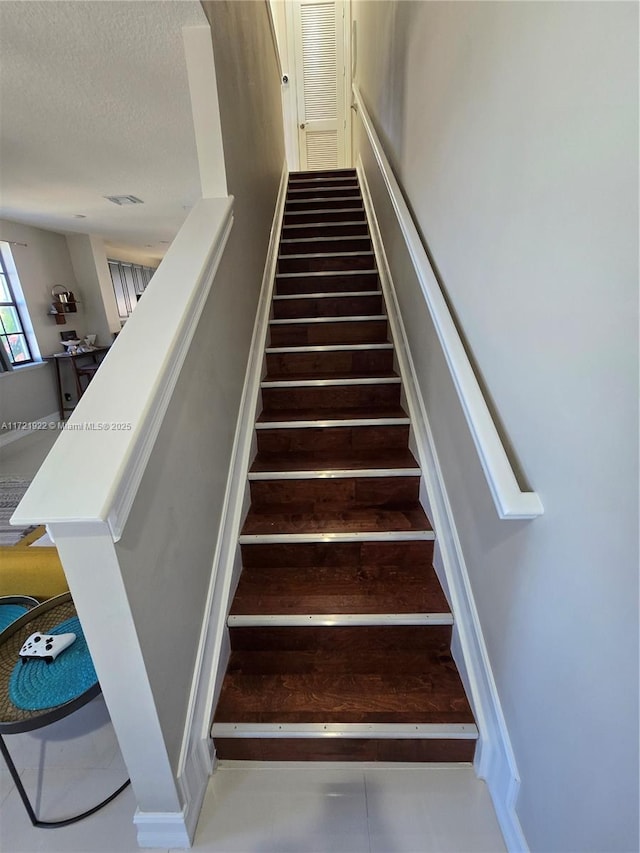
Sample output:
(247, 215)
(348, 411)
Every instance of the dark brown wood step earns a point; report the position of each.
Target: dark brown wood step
(331, 396)
(328, 306)
(298, 192)
(326, 229)
(335, 439)
(330, 363)
(345, 377)
(362, 647)
(326, 262)
(334, 461)
(363, 685)
(348, 199)
(408, 518)
(333, 494)
(359, 648)
(353, 212)
(361, 331)
(400, 554)
(333, 282)
(343, 180)
(313, 245)
(326, 416)
(321, 174)
(302, 590)
(345, 749)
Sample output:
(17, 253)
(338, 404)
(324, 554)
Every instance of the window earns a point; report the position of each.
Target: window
(15, 346)
(129, 282)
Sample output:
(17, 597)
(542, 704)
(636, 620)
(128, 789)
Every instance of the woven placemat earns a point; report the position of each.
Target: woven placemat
(9, 654)
(36, 685)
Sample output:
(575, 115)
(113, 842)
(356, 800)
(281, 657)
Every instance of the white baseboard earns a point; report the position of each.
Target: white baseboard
(495, 762)
(162, 829)
(41, 425)
(192, 782)
(197, 756)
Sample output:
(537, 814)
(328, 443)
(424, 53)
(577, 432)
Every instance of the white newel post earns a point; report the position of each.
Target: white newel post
(88, 553)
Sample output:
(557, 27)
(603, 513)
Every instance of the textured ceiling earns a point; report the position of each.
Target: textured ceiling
(94, 101)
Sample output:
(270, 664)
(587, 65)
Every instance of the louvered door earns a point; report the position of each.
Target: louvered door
(319, 47)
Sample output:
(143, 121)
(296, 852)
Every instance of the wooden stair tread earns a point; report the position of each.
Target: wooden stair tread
(399, 691)
(331, 461)
(409, 517)
(304, 377)
(339, 589)
(322, 414)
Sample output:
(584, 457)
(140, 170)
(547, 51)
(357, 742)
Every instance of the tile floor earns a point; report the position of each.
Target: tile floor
(248, 808)
(23, 457)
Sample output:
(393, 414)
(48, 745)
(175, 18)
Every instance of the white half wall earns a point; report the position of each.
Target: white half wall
(513, 131)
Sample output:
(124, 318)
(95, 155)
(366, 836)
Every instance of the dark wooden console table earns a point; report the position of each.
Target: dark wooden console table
(80, 362)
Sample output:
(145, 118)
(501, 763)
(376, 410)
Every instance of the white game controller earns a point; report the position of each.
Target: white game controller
(45, 646)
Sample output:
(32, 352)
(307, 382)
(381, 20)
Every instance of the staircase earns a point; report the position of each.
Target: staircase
(340, 631)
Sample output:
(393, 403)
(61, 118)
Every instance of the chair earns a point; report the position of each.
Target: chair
(83, 371)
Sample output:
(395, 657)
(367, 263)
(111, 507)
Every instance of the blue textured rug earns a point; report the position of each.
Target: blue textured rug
(37, 685)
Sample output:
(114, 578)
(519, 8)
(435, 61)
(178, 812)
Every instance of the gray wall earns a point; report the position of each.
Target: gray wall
(45, 261)
(251, 117)
(512, 128)
(170, 537)
(26, 395)
(30, 394)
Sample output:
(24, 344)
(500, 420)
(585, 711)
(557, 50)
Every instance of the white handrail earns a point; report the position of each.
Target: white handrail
(94, 469)
(274, 37)
(510, 501)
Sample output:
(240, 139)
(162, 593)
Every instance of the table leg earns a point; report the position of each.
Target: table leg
(59, 383)
(17, 781)
(25, 799)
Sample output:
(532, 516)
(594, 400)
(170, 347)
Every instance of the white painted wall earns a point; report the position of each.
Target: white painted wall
(41, 264)
(201, 71)
(135, 255)
(513, 130)
(94, 281)
(27, 395)
(44, 261)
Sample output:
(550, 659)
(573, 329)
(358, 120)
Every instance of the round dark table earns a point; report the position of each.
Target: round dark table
(13, 720)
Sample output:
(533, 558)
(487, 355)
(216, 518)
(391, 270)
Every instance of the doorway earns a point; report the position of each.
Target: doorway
(317, 110)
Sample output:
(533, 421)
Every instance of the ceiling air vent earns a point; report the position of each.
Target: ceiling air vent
(124, 199)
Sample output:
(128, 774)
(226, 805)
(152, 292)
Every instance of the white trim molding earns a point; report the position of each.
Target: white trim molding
(162, 829)
(332, 620)
(509, 499)
(366, 536)
(430, 731)
(495, 761)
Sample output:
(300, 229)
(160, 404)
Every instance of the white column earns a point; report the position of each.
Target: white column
(91, 565)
